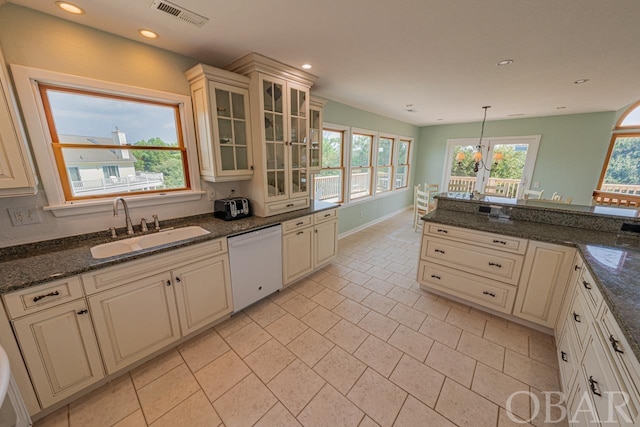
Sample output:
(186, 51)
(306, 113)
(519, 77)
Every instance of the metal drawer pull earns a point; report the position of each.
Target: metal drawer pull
(563, 355)
(614, 343)
(439, 250)
(50, 294)
(178, 279)
(168, 282)
(491, 294)
(436, 277)
(300, 223)
(495, 264)
(499, 241)
(289, 205)
(586, 285)
(576, 268)
(83, 311)
(576, 317)
(593, 383)
(440, 230)
(327, 215)
(299, 233)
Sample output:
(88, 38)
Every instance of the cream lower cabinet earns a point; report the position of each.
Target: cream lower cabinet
(60, 350)
(200, 297)
(135, 320)
(545, 274)
(308, 243)
(600, 374)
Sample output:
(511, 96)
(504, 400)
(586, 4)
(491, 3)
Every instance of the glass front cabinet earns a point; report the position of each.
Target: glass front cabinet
(315, 134)
(223, 123)
(280, 115)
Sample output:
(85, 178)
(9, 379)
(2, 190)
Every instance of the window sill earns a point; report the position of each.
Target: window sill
(105, 205)
(377, 196)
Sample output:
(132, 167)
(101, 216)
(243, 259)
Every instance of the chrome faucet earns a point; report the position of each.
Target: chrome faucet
(126, 213)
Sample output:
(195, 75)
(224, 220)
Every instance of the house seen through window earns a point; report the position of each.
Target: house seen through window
(106, 145)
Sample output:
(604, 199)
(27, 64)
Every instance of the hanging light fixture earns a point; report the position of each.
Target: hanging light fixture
(477, 156)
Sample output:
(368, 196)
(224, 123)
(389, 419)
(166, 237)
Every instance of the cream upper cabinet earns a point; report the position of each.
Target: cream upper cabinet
(280, 130)
(223, 123)
(315, 134)
(60, 350)
(17, 176)
(135, 320)
(544, 280)
(203, 292)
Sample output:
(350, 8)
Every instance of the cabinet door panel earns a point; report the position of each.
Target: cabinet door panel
(203, 292)
(60, 350)
(297, 254)
(326, 242)
(135, 320)
(545, 275)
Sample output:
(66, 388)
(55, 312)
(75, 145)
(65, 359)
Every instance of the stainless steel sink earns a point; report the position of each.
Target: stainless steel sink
(146, 241)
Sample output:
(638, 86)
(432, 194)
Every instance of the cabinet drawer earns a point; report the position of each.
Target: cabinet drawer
(626, 364)
(590, 290)
(296, 224)
(488, 240)
(127, 272)
(580, 317)
(484, 292)
(39, 297)
(483, 262)
(325, 215)
(275, 208)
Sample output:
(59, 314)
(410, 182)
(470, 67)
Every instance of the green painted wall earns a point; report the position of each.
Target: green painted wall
(570, 158)
(364, 212)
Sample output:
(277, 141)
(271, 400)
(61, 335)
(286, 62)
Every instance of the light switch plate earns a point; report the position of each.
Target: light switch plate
(24, 216)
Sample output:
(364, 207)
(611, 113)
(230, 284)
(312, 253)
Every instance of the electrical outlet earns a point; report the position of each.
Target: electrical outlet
(211, 194)
(536, 184)
(24, 216)
(361, 214)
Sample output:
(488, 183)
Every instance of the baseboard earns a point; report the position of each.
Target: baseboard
(374, 222)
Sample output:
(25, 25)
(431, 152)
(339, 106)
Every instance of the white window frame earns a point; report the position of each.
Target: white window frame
(346, 134)
(27, 79)
(392, 164)
(396, 162)
(533, 141)
(374, 158)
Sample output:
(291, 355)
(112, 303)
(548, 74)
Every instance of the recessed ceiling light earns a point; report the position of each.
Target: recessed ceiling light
(307, 66)
(580, 81)
(560, 108)
(148, 33)
(70, 7)
(440, 120)
(411, 110)
(505, 62)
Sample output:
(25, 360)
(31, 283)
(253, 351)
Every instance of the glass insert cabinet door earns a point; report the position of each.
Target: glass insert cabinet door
(232, 130)
(298, 138)
(315, 133)
(273, 106)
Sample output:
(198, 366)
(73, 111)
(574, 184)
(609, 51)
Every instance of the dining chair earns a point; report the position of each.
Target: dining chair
(423, 202)
(532, 194)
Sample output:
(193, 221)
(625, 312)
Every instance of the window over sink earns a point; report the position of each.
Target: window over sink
(95, 140)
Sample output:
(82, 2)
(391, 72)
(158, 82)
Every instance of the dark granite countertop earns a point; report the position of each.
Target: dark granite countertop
(612, 258)
(31, 264)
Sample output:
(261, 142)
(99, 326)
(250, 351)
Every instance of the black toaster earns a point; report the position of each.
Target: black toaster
(232, 208)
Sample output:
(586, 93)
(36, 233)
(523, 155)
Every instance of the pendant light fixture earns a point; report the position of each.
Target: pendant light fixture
(477, 156)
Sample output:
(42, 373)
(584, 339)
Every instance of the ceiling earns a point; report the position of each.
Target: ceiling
(437, 55)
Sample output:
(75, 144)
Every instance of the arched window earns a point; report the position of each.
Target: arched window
(620, 178)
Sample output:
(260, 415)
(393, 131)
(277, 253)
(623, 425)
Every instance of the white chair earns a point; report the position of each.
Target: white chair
(557, 198)
(423, 202)
(532, 194)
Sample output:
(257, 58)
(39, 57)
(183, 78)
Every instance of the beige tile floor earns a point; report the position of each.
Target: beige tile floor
(356, 344)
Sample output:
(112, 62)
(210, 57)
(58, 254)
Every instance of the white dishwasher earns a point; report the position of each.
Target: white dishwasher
(256, 265)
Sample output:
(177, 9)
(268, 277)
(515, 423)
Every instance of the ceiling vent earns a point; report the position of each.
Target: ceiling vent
(179, 12)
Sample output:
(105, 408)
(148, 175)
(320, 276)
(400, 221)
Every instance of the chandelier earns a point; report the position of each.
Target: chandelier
(478, 162)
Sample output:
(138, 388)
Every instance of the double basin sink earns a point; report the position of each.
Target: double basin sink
(146, 241)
